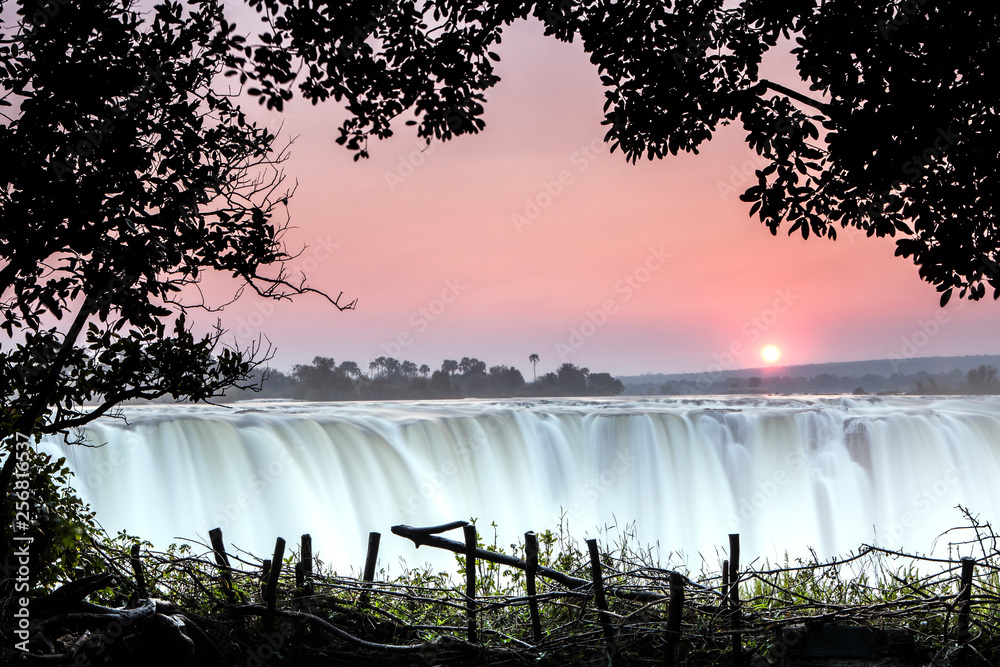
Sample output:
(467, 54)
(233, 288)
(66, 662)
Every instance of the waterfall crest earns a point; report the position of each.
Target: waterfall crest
(786, 473)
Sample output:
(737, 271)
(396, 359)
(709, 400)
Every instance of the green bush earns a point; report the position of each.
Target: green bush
(60, 524)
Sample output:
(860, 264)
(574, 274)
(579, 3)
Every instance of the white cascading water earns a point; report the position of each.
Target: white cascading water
(785, 473)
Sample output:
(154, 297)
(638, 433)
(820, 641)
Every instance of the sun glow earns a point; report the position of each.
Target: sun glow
(770, 353)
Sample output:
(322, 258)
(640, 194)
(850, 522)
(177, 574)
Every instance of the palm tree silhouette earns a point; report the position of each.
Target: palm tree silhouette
(534, 365)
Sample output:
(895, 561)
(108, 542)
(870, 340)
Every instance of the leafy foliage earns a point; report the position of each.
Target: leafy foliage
(131, 177)
(897, 135)
(60, 524)
(127, 179)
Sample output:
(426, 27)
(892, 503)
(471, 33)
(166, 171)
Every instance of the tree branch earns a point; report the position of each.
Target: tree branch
(422, 536)
(795, 95)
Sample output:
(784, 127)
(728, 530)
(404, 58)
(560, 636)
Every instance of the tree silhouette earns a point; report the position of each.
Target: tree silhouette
(604, 384)
(572, 380)
(349, 369)
(896, 134)
(471, 366)
(982, 380)
(322, 380)
(126, 179)
(393, 367)
(534, 366)
(505, 380)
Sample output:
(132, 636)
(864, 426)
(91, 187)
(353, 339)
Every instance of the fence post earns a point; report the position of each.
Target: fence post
(734, 598)
(674, 613)
(305, 568)
(370, 559)
(306, 557)
(270, 592)
(599, 599)
(470, 579)
(964, 607)
(531, 557)
(265, 573)
(222, 560)
(140, 578)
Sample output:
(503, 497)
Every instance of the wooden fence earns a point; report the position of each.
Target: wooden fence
(594, 609)
(670, 591)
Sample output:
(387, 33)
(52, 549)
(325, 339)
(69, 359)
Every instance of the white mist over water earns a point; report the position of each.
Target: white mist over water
(785, 473)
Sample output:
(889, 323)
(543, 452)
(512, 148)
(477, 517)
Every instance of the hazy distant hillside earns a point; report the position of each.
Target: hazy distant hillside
(877, 375)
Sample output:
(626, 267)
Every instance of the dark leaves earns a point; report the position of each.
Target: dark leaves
(115, 202)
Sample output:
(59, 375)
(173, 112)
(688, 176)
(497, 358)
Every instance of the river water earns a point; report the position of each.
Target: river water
(786, 473)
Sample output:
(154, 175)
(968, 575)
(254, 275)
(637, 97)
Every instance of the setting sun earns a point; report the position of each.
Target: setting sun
(770, 353)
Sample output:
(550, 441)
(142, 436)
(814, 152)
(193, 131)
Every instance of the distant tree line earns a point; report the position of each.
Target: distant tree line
(981, 380)
(391, 379)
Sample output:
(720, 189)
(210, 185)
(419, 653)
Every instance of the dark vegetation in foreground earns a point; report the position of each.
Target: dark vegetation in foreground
(388, 379)
(591, 605)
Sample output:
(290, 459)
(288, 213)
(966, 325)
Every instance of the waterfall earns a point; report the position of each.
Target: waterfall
(785, 473)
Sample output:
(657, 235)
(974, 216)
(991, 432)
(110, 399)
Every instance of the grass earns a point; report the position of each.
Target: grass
(426, 610)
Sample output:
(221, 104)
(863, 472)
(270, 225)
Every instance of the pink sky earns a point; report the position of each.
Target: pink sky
(473, 247)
